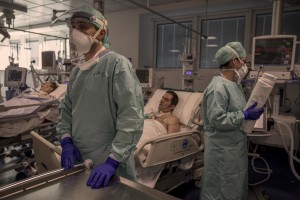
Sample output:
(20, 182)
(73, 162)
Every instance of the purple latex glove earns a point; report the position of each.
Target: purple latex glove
(69, 150)
(101, 175)
(252, 113)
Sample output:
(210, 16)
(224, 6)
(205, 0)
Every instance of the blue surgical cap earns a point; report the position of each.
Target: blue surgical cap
(225, 54)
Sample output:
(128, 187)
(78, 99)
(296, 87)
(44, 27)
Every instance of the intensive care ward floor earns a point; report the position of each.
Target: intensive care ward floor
(281, 185)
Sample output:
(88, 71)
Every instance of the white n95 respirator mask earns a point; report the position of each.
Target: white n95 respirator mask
(241, 73)
(82, 42)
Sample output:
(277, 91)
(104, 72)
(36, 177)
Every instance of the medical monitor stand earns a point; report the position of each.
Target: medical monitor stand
(15, 80)
(275, 53)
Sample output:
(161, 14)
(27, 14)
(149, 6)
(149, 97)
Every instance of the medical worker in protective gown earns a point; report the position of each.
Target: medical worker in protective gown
(225, 157)
(101, 116)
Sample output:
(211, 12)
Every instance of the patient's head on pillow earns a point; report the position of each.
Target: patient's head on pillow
(168, 102)
(48, 87)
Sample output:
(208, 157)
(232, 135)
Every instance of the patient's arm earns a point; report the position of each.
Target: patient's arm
(173, 125)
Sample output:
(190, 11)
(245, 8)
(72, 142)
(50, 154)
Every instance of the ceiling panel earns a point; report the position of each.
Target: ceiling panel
(32, 13)
(112, 7)
(77, 3)
(41, 2)
(38, 8)
(42, 9)
(58, 6)
(22, 17)
(30, 4)
(39, 12)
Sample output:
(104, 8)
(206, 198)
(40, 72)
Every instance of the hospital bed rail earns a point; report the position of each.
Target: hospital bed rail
(45, 149)
(70, 186)
(182, 144)
(178, 155)
(4, 108)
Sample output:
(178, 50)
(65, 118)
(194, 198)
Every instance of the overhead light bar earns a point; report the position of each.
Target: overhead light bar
(211, 45)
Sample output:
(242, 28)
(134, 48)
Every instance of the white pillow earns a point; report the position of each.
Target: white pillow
(187, 105)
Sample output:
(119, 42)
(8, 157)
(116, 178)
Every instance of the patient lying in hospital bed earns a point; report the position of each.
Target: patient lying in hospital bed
(21, 116)
(163, 121)
(181, 125)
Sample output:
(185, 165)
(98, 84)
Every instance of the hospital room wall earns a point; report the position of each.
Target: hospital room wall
(124, 30)
(173, 78)
(133, 36)
(124, 36)
(131, 33)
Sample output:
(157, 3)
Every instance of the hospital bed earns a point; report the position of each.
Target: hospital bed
(165, 161)
(169, 160)
(23, 114)
(27, 111)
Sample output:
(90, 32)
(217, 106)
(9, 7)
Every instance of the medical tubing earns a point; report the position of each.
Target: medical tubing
(285, 146)
(265, 171)
(291, 155)
(260, 94)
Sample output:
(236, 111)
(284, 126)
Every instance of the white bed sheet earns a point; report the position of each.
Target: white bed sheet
(17, 125)
(149, 176)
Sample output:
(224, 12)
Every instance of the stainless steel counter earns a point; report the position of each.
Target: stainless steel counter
(73, 186)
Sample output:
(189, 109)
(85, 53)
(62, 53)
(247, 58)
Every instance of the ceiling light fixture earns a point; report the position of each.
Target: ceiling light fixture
(174, 51)
(211, 45)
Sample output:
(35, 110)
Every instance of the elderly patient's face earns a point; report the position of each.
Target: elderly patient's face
(46, 87)
(165, 104)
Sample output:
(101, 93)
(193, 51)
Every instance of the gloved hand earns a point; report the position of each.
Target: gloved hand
(68, 152)
(101, 175)
(253, 113)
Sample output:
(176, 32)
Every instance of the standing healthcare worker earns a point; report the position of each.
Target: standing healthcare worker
(101, 116)
(225, 156)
